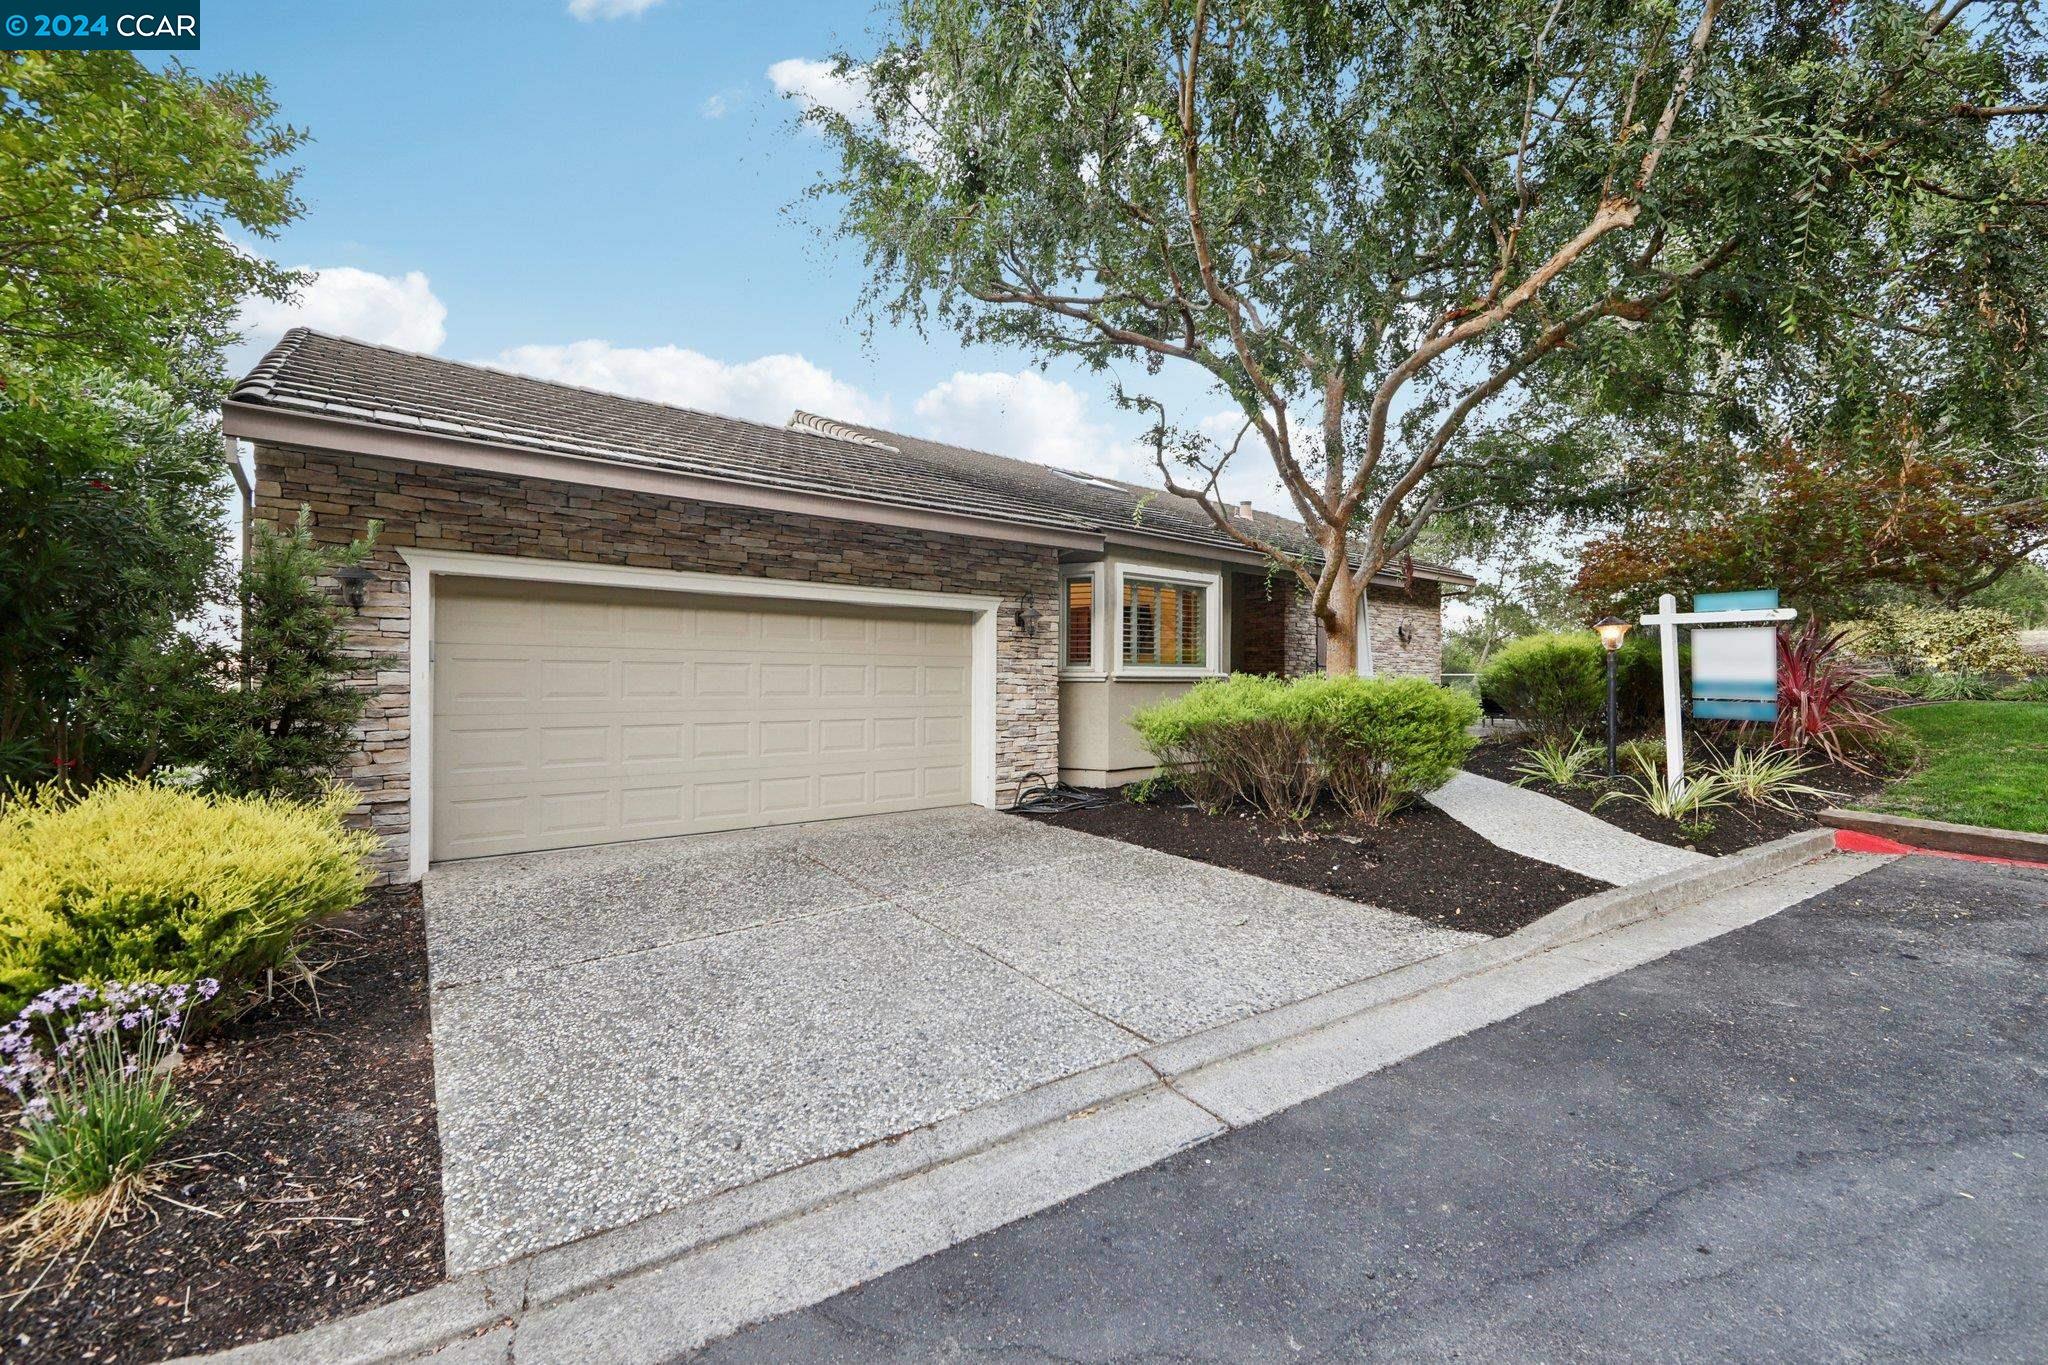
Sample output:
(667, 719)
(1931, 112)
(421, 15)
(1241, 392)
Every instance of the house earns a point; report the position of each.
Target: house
(599, 619)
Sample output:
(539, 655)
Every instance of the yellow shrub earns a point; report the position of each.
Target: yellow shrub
(137, 882)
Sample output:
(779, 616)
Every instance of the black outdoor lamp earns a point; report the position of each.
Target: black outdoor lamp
(1028, 617)
(1612, 631)
(353, 579)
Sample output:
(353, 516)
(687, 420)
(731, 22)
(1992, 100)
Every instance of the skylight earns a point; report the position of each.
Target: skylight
(1088, 479)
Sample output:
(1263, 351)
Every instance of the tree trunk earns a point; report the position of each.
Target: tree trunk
(1340, 627)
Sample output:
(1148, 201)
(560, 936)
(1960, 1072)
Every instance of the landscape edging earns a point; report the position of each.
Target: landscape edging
(1979, 841)
(464, 1306)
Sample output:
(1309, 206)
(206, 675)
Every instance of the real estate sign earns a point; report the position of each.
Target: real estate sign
(1735, 668)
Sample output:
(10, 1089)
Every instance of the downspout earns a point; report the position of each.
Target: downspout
(231, 446)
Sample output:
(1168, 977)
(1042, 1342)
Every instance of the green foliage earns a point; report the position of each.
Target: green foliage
(1763, 777)
(2021, 593)
(134, 881)
(1983, 763)
(1954, 687)
(1912, 640)
(1692, 805)
(1147, 791)
(1380, 742)
(122, 189)
(109, 531)
(1639, 752)
(292, 720)
(2033, 689)
(1556, 684)
(1233, 739)
(1493, 248)
(1277, 746)
(1560, 762)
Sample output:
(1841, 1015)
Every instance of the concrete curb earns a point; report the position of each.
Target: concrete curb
(1979, 841)
(1147, 1105)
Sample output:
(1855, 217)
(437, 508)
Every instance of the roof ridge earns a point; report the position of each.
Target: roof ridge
(299, 335)
(258, 381)
(799, 420)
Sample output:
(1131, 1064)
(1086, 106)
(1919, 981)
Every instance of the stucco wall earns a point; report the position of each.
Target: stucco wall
(433, 508)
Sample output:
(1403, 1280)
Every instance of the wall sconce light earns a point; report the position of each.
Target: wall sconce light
(1404, 633)
(1028, 616)
(353, 579)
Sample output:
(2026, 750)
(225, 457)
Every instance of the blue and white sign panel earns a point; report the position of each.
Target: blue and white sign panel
(1735, 668)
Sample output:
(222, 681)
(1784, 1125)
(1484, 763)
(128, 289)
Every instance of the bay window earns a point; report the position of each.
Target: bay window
(1165, 624)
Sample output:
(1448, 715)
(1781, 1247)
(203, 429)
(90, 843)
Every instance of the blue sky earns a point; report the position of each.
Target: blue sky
(610, 192)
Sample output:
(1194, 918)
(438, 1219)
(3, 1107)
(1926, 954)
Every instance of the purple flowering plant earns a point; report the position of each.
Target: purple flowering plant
(91, 1065)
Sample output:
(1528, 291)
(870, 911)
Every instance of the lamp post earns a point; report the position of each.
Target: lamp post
(1612, 631)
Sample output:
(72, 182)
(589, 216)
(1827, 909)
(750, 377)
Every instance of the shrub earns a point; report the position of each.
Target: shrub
(96, 1103)
(1561, 763)
(1232, 739)
(1274, 745)
(1556, 685)
(1688, 808)
(1379, 742)
(1954, 687)
(132, 881)
(2033, 689)
(1818, 705)
(1764, 777)
(1926, 640)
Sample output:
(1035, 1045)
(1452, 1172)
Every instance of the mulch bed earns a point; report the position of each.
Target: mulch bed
(1736, 827)
(1420, 863)
(315, 1159)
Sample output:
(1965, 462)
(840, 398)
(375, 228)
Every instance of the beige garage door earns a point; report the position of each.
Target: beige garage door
(567, 716)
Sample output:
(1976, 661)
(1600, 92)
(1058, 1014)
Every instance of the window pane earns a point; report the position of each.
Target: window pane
(1080, 623)
(1164, 624)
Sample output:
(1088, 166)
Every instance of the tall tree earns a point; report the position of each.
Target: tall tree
(119, 283)
(1385, 229)
(119, 185)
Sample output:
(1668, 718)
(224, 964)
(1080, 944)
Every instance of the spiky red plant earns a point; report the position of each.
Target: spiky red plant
(1818, 702)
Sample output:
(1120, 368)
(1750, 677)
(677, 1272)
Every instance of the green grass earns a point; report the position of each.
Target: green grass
(1983, 763)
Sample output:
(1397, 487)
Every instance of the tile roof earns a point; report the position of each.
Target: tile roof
(314, 374)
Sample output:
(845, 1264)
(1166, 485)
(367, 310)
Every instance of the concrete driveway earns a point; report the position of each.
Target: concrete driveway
(622, 1030)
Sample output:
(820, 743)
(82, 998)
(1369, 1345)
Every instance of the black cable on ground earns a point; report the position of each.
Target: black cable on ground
(1038, 795)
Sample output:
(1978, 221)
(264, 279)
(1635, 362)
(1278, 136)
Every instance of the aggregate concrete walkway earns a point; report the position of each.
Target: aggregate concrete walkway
(623, 1030)
(1538, 826)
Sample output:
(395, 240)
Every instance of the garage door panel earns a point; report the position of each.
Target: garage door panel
(571, 716)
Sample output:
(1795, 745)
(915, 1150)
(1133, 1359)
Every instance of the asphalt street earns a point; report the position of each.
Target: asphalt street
(1824, 1136)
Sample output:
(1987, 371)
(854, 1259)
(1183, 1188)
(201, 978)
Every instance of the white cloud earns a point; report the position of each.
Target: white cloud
(1048, 421)
(715, 106)
(819, 84)
(766, 389)
(394, 310)
(587, 10)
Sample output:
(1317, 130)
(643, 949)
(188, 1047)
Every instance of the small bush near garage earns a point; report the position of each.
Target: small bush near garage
(1371, 744)
(140, 882)
(1233, 739)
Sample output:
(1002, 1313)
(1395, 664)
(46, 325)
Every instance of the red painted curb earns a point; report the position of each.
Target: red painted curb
(1855, 841)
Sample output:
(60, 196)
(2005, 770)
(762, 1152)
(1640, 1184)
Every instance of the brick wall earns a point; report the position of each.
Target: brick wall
(432, 508)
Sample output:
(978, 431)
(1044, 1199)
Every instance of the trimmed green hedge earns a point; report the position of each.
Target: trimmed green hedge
(1370, 743)
(1556, 684)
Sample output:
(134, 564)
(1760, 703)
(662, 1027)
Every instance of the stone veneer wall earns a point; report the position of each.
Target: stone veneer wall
(429, 507)
(1420, 607)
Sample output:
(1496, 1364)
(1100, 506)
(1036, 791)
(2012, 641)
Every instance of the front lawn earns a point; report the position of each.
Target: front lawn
(1984, 763)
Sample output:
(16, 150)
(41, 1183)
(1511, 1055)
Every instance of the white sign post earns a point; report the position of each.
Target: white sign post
(1667, 619)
